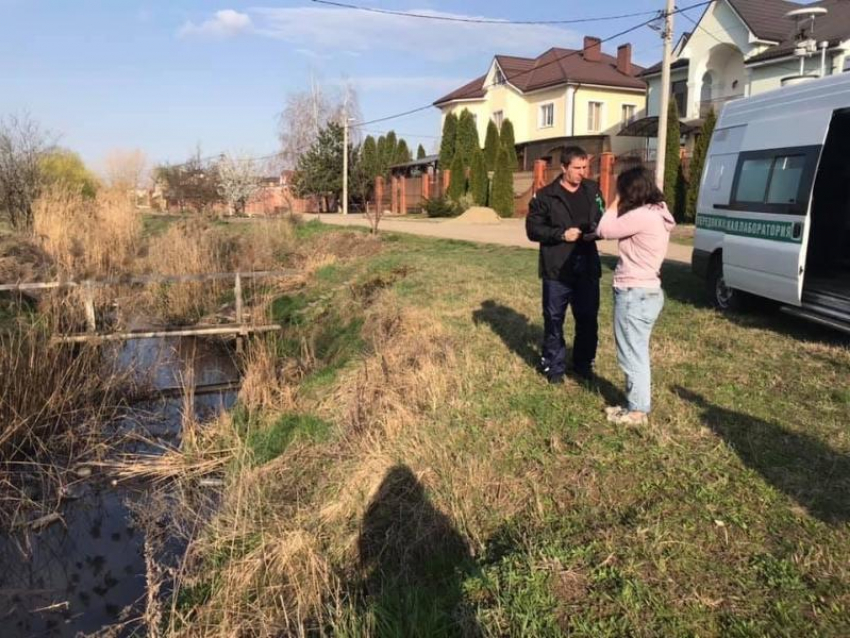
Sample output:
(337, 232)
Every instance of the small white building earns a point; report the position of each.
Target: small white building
(739, 48)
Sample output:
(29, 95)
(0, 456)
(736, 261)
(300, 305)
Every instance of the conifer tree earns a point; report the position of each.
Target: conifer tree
(506, 136)
(369, 157)
(380, 156)
(502, 195)
(402, 153)
(390, 151)
(457, 182)
(491, 146)
(420, 152)
(478, 182)
(697, 163)
(672, 181)
(447, 142)
(467, 138)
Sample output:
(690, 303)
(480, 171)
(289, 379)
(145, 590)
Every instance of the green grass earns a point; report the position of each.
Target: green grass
(271, 441)
(729, 515)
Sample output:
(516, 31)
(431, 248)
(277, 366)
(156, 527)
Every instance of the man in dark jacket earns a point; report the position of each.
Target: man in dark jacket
(563, 218)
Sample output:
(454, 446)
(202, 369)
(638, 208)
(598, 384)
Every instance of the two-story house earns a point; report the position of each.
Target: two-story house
(560, 98)
(744, 47)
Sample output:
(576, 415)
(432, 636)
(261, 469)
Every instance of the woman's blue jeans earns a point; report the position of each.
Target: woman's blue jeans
(635, 312)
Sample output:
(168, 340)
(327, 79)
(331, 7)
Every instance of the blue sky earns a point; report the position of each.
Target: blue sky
(167, 76)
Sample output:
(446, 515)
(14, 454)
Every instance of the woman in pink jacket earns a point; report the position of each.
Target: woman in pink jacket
(639, 219)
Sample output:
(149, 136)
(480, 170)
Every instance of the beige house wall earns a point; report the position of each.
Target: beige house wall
(524, 112)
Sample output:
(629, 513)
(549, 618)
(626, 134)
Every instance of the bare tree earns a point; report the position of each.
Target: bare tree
(22, 146)
(308, 112)
(125, 168)
(238, 180)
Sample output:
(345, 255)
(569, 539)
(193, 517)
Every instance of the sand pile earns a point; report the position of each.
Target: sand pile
(477, 215)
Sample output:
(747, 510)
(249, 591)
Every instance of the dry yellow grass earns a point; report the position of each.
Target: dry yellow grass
(287, 528)
(87, 238)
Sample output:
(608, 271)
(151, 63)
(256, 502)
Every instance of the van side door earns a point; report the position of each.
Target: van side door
(766, 221)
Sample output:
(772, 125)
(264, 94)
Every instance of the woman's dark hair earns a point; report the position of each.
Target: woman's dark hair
(636, 187)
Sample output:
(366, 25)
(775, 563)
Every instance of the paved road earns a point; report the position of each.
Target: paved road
(509, 232)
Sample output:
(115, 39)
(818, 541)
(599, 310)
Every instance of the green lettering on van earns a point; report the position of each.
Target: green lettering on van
(758, 229)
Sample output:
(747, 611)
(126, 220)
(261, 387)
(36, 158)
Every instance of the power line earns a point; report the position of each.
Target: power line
(555, 60)
(656, 15)
(399, 133)
(495, 21)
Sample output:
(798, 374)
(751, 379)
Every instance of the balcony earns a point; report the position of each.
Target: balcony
(715, 104)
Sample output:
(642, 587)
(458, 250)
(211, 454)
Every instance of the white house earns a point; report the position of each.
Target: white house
(744, 47)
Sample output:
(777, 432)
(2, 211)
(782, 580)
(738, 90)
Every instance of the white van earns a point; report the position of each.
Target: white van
(773, 214)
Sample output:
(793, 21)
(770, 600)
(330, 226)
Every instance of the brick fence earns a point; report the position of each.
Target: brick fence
(401, 195)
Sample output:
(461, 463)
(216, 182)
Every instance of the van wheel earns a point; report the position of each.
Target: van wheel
(722, 297)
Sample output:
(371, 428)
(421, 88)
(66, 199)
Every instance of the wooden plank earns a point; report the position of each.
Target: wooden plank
(237, 293)
(149, 279)
(207, 388)
(180, 332)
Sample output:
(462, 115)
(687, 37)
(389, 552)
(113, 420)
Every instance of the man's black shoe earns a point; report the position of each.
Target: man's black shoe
(556, 379)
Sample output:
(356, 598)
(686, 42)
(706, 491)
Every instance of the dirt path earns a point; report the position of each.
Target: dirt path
(510, 232)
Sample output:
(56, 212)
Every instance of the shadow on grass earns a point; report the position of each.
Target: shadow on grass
(807, 470)
(524, 338)
(515, 330)
(415, 561)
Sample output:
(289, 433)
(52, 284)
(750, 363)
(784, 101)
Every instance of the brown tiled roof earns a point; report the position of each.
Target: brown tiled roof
(656, 68)
(552, 68)
(472, 91)
(766, 18)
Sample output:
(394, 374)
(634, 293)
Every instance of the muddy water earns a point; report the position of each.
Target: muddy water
(87, 571)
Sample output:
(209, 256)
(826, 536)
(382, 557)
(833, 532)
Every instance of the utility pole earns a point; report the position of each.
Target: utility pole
(345, 159)
(667, 37)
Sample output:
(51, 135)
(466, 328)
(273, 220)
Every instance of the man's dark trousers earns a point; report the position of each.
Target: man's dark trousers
(582, 294)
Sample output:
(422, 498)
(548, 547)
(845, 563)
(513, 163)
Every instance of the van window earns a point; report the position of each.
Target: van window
(785, 179)
(774, 181)
(755, 174)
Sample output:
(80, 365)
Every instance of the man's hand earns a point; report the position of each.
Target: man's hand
(572, 234)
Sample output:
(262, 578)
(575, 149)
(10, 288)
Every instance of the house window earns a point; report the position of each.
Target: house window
(498, 116)
(629, 113)
(594, 117)
(499, 77)
(547, 115)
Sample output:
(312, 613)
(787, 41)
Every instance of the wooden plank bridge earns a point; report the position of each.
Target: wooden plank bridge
(239, 327)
